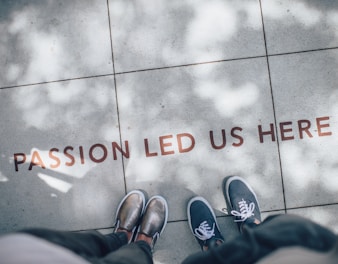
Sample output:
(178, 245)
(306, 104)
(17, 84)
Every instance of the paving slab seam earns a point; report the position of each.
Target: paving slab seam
(167, 67)
(191, 64)
(56, 81)
(301, 51)
(273, 108)
(116, 97)
(311, 206)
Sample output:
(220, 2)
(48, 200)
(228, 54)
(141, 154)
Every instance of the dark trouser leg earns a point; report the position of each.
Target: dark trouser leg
(134, 253)
(89, 245)
(275, 232)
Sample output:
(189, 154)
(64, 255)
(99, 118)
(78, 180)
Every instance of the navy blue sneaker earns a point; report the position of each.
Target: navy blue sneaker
(203, 224)
(242, 201)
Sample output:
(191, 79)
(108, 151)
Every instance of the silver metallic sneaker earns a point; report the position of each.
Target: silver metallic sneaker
(154, 219)
(129, 212)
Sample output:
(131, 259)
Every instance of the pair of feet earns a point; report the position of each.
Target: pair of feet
(141, 220)
(243, 205)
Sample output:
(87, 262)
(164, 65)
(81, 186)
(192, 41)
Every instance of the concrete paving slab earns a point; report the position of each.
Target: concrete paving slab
(183, 129)
(292, 26)
(167, 115)
(147, 34)
(305, 92)
(53, 40)
(322, 215)
(57, 163)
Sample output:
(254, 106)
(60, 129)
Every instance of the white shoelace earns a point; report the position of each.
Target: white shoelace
(204, 231)
(246, 211)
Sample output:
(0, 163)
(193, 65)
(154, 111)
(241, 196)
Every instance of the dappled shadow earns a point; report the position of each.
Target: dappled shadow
(183, 32)
(189, 100)
(60, 178)
(70, 40)
(46, 42)
(50, 41)
(292, 26)
(309, 162)
(195, 99)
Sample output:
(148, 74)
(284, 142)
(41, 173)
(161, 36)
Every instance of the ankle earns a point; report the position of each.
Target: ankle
(143, 237)
(250, 223)
(129, 234)
(212, 243)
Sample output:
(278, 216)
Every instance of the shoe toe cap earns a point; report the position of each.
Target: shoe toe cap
(154, 218)
(130, 212)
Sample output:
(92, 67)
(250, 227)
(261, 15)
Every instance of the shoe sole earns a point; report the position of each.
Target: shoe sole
(200, 198)
(226, 183)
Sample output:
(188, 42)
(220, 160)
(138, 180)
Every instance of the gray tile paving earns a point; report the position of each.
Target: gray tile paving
(164, 117)
(47, 40)
(54, 170)
(300, 25)
(147, 34)
(158, 108)
(322, 215)
(305, 91)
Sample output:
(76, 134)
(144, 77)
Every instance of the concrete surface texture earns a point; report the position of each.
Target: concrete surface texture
(100, 98)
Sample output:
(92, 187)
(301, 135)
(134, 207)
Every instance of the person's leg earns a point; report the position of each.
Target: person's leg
(139, 252)
(272, 234)
(92, 244)
(152, 225)
(258, 240)
(87, 244)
